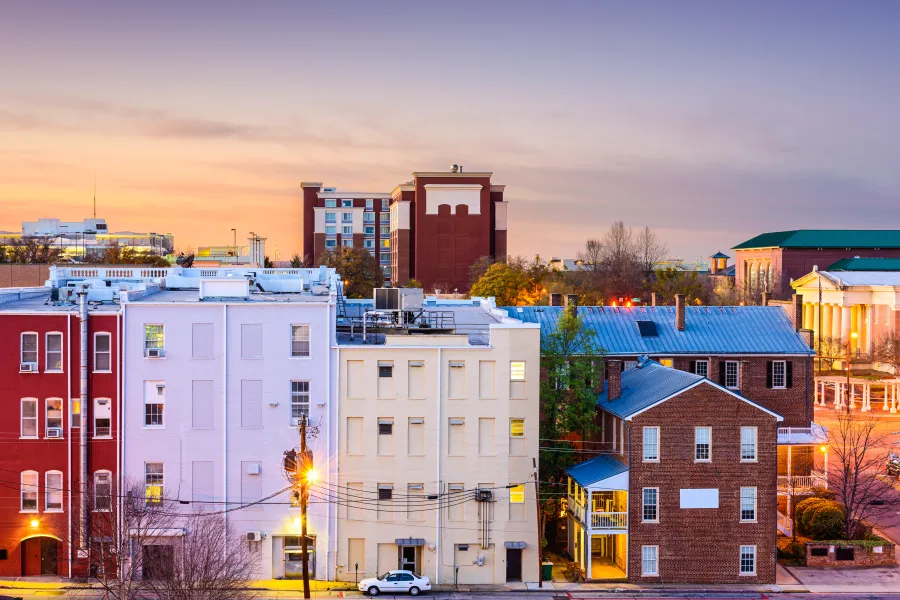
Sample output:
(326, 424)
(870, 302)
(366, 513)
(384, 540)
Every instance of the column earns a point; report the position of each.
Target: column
(826, 320)
(835, 321)
(815, 324)
(859, 327)
(868, 322)
(807, 315)
(853, 397)
(886, 394)
(894, 400)
(845, 324)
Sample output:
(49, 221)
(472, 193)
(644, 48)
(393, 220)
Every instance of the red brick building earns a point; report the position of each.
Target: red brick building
(770, 261)
(46, 417)
(431, 228)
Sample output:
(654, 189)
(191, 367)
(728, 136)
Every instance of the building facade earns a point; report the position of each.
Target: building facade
(89, 238)
(438, 434)
(430, 229)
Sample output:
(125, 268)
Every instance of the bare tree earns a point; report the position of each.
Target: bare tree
(33, 250)
(591, 257)
(860, 453)
(830, 350)
(886, 350)
(479, 268)
(650, 250)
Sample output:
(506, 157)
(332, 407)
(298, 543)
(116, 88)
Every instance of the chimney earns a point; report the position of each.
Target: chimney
(653, 299)
(572, 303)
(765, 299)
(556, 299)
(679, 312)
(797, 312)
(614, 376)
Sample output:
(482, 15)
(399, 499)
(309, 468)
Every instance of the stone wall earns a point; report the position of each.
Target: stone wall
(862, 556)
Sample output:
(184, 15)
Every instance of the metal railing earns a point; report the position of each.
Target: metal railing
(609, 520)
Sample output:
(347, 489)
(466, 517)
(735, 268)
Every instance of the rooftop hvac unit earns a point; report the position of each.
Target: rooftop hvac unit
(387, 298)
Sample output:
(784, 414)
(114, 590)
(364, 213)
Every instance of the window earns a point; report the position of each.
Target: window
(347, 230)
(102, 491)
(701, 368)
(667, 362)
(456, 504)
(457, 437)
(330, 217)
(385, 258)
(517, 494)
(29, 492)
(369, 230)
(331, 230)
(369, 244)
(153, 483)
(347, 243)
(331, 243)
(385, 217)
(415, 498)
(517, 428)
(748, 560)
(346, 217)
(385, 243)
(102, 353)
(299, 401)
(299, 341)
(731, 374)
(385, 204)
(102, 417)
(748, 444)
(629, 364)
(75, 411)
(330, 203)
(702, 444)
(368, 217)
(385, 501)
(154, 340)
(385, 230)
(415, 442)
(346, 203)
(517, 371)
(369, 204)
(748, 505)
(385, 427)
(53, 407)
(154, 403)
(54, 352)
(385, 369)
(53, 491)
(650, 513)
(779, 374)
(651, 444)
(29, 349)
(29, 418)
(649, 561)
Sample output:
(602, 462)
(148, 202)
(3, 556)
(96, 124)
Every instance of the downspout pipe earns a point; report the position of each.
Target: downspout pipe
(437, 518)
(82, 437)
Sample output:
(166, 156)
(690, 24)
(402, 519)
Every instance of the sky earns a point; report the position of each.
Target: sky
(709, 122)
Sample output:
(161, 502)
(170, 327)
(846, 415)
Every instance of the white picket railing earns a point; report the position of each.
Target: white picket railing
(576, 508)
(802, 483)
(609, 520)
(803, 435)
(785, 525)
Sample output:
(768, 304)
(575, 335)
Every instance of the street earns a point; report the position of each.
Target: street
(536, 595)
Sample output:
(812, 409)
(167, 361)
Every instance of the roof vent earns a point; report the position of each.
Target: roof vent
(647, 328)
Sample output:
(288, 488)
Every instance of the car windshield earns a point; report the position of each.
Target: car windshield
(383, 577)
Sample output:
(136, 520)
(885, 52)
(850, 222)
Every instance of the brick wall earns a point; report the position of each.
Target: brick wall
(702, 545)
(862, 557)
(23, 275)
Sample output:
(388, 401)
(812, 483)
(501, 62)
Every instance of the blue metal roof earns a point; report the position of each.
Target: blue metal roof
(596, 469)
(645, 385)
(763, 330)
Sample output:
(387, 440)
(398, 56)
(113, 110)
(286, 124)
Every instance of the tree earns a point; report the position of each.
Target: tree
(413, 283)
(32, 250)
(126, 255)
(513, 283)
(886, 350)
(571, 378)
(591, 258)
(860, 453)
(669, 282)
(299, 262)
(830, 350)
(650, 250)
(478, 268)
(359, 269)
(267, 263)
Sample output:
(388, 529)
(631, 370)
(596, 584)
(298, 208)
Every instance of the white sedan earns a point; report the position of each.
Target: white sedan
(395, 581)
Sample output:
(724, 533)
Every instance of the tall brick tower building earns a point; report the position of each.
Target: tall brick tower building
(431, 228)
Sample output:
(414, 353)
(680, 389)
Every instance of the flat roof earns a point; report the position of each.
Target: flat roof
(39, 301)
(192, 296)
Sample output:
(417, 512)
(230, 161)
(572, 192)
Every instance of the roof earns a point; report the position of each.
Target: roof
(719, 255)
(863, 278)
(761, 330)
(645, 385)
(596, 469)
(825, 238)
(866, 264)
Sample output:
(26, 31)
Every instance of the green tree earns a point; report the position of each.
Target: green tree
(296, 261)
(413, 283)
(359, 269)
(669, 282)
(571, 378)
(513, 283)
(267, 263)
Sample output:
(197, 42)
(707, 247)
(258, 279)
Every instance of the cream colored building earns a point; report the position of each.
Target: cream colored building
(437, 437)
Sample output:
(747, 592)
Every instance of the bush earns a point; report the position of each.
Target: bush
(804, 511)
(793, 550)
(826, 522)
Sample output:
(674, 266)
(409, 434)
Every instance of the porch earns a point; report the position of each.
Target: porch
(859, 394)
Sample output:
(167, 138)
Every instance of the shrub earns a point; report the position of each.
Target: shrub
(804, 510)
(793, 550)
(826, 522)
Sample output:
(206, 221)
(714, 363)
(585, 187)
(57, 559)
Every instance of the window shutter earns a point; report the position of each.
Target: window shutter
(693, 368)
(789, 373)
(721, 372)
(769, 374)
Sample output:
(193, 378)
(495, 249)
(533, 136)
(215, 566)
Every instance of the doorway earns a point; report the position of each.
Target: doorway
(39, 556)
(513, 564)
(157, 561)
(409, 558)
(293, 556)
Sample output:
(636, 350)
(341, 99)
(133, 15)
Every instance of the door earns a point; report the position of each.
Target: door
(31, 557)
(157, 561)
(408, 558)
(513, 564)
(48, 556)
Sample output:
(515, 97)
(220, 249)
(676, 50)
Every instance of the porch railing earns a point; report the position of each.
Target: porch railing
(609, 520)
(802, 483)
(785, 525)
(576, 509)
(803, 435)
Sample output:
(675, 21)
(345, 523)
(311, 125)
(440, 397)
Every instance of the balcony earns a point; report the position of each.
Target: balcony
(609, 520)
(817, 434)
(802, 484)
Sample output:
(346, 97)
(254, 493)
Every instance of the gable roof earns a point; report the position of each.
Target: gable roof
(650, 383)
(596, 469)
(825, 238)
(760, 330)
(866, 264)
(719, 255)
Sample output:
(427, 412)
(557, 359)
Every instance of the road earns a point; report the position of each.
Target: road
(588, 595)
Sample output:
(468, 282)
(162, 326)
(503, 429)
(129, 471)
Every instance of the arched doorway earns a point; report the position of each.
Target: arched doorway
(39, 555)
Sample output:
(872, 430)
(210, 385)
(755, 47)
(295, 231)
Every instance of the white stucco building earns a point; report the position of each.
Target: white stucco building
(216, 374)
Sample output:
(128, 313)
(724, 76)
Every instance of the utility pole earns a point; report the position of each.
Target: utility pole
(537, 506)
(306, 468)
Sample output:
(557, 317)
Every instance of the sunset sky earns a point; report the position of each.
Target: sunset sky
(708, 121)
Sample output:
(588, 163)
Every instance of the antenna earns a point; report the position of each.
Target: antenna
(95, 194)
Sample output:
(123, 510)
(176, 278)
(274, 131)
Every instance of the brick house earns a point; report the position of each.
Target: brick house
(685, 489)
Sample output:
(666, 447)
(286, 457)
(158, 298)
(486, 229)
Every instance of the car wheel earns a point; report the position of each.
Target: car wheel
(373, 591)
(413, 591)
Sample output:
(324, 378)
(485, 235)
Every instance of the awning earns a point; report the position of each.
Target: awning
(409, 542)
(157, 532)
(515, 545)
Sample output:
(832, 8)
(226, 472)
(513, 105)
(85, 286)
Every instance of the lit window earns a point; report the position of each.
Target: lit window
(702, 444)
(517, 371)
(779, 374)
(650, 513)
(102, 491)
(54, 417)
(154, 340)
(75, 411)
(701, 368)
(651, 444)
(29, 349)
(299, 401)
(517, 428)
(153, 483)
(53, 491)
(102, 353)
(517, 494)
(384, 243)
(731, 374)
(748, 504)
(29, 492)
(667, 362)
(748, 560)
(649, 560)
(330, 217)
(54, 352)
(299, 340)
(29, 418)
(748, 444)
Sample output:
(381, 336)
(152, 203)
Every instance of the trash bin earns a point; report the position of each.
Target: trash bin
(547, 571)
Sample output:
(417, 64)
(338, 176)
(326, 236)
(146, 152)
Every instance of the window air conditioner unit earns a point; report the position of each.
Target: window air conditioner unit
(54, 432)
(255, 536)
(155, 353)
(28, 367)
